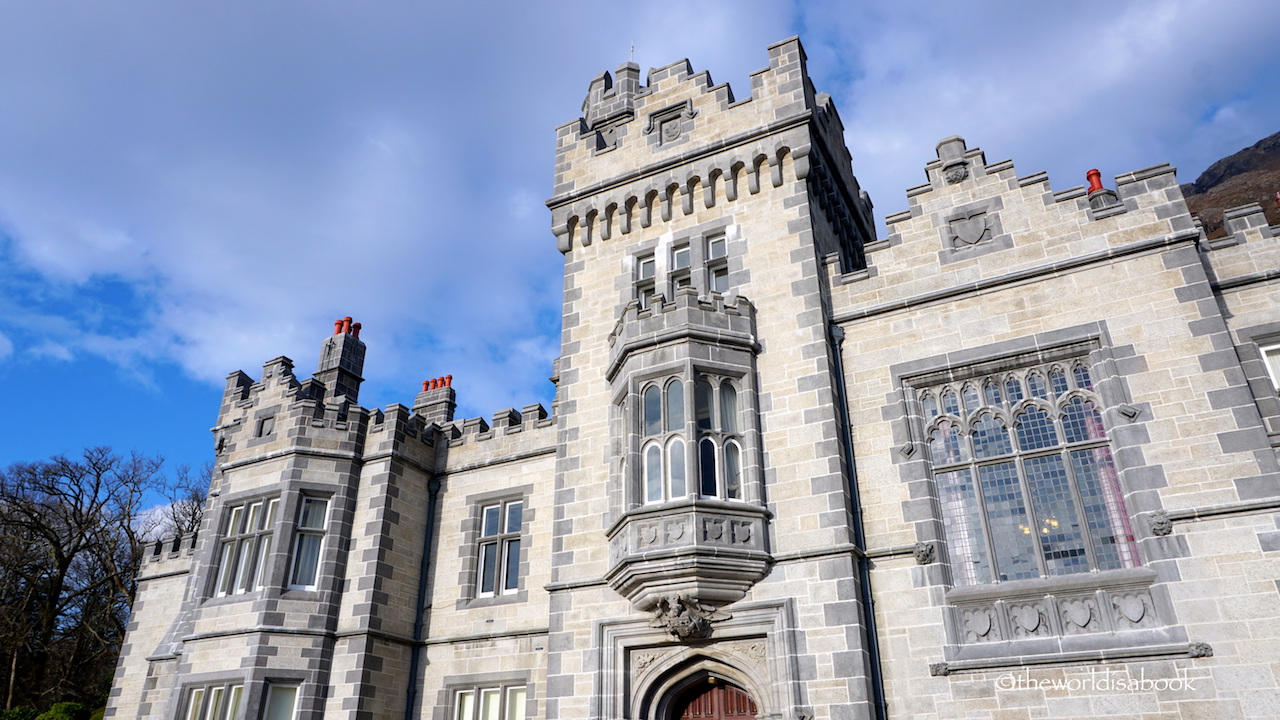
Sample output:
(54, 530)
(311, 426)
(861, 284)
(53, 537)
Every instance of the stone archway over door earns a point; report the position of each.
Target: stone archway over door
(714, 700)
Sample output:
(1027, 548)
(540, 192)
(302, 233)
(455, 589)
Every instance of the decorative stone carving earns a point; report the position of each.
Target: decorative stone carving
(970, 229)
(939, 669)
(670, 122)
(956, 172)
(640, 661)
(980, 625)
(1198, 650)
(713, 529)
(675, 531)
(925, 553)
(753, 650)
(1028, 621)
(1132, 609)
(1161, 525)
(1078, 615)
(710, 551)
(648, 534)
(686, 618)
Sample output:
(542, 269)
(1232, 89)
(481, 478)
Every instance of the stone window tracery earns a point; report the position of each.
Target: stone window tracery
(1025, 475)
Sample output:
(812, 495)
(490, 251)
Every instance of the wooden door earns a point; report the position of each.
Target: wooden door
(707, 701)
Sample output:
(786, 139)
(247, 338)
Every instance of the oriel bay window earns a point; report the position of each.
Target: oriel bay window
(668, 428)
(1025, 475)
(246, 544)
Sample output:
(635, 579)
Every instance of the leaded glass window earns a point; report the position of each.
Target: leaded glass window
(1025, 476)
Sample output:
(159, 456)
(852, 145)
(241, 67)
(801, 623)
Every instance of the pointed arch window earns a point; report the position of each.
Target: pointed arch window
(1025, 476)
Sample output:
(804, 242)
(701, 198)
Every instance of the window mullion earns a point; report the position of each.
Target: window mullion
(1085, 531)
(979, 492)
(1029, 504)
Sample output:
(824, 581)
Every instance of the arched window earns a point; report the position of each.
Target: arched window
(653, 473)
(675, 406)
(1026, 481)
(713, 439)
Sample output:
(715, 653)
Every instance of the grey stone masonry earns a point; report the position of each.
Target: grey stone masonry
(1018, 459)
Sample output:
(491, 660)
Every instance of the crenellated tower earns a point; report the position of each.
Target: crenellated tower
(698, 410)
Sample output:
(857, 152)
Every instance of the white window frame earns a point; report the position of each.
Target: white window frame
(214, 701)
(316, 531)
(504, 543)
(272, 688)
(1271, 358)
(245, 546)
(717, 265)
(470, 703)
(657, 448)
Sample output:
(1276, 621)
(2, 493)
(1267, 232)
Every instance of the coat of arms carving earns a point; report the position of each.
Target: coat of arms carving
(970, 229)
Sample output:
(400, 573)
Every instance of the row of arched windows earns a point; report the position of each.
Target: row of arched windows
(1006, 391)
(669, 425)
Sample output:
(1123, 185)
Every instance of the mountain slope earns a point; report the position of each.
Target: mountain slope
(1251, 175)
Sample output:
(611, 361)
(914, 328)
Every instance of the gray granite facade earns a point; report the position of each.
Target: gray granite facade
(1028, 437)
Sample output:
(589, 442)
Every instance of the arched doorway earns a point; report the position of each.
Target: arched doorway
(713, 699)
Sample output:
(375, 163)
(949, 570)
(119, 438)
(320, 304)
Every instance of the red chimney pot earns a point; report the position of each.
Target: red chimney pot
(1095, 180)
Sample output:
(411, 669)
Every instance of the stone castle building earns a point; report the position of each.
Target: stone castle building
(1015, 459)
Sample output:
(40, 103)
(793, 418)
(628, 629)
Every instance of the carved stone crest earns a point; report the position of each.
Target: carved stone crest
(675, 531)
(670, 122)
(925, 553)
(980, 623)
(1027, 619)
(1131, 607)
(939, 669)
(649, 534)
(956, 172)
(685, 618)
(1199, 649)
(713, 529)
(970, 229)
(1078, 612)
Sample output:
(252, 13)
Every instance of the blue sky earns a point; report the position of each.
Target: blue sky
(187, 189)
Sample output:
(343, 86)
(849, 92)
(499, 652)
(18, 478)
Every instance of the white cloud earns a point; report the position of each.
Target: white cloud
(257, 171)
(6, 346)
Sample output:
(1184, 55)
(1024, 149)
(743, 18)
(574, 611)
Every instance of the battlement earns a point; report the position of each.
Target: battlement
(959, 168)
(644, 156)
(167, 556)
(723, 321)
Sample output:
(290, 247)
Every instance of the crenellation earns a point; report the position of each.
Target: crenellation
(1061, 407)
